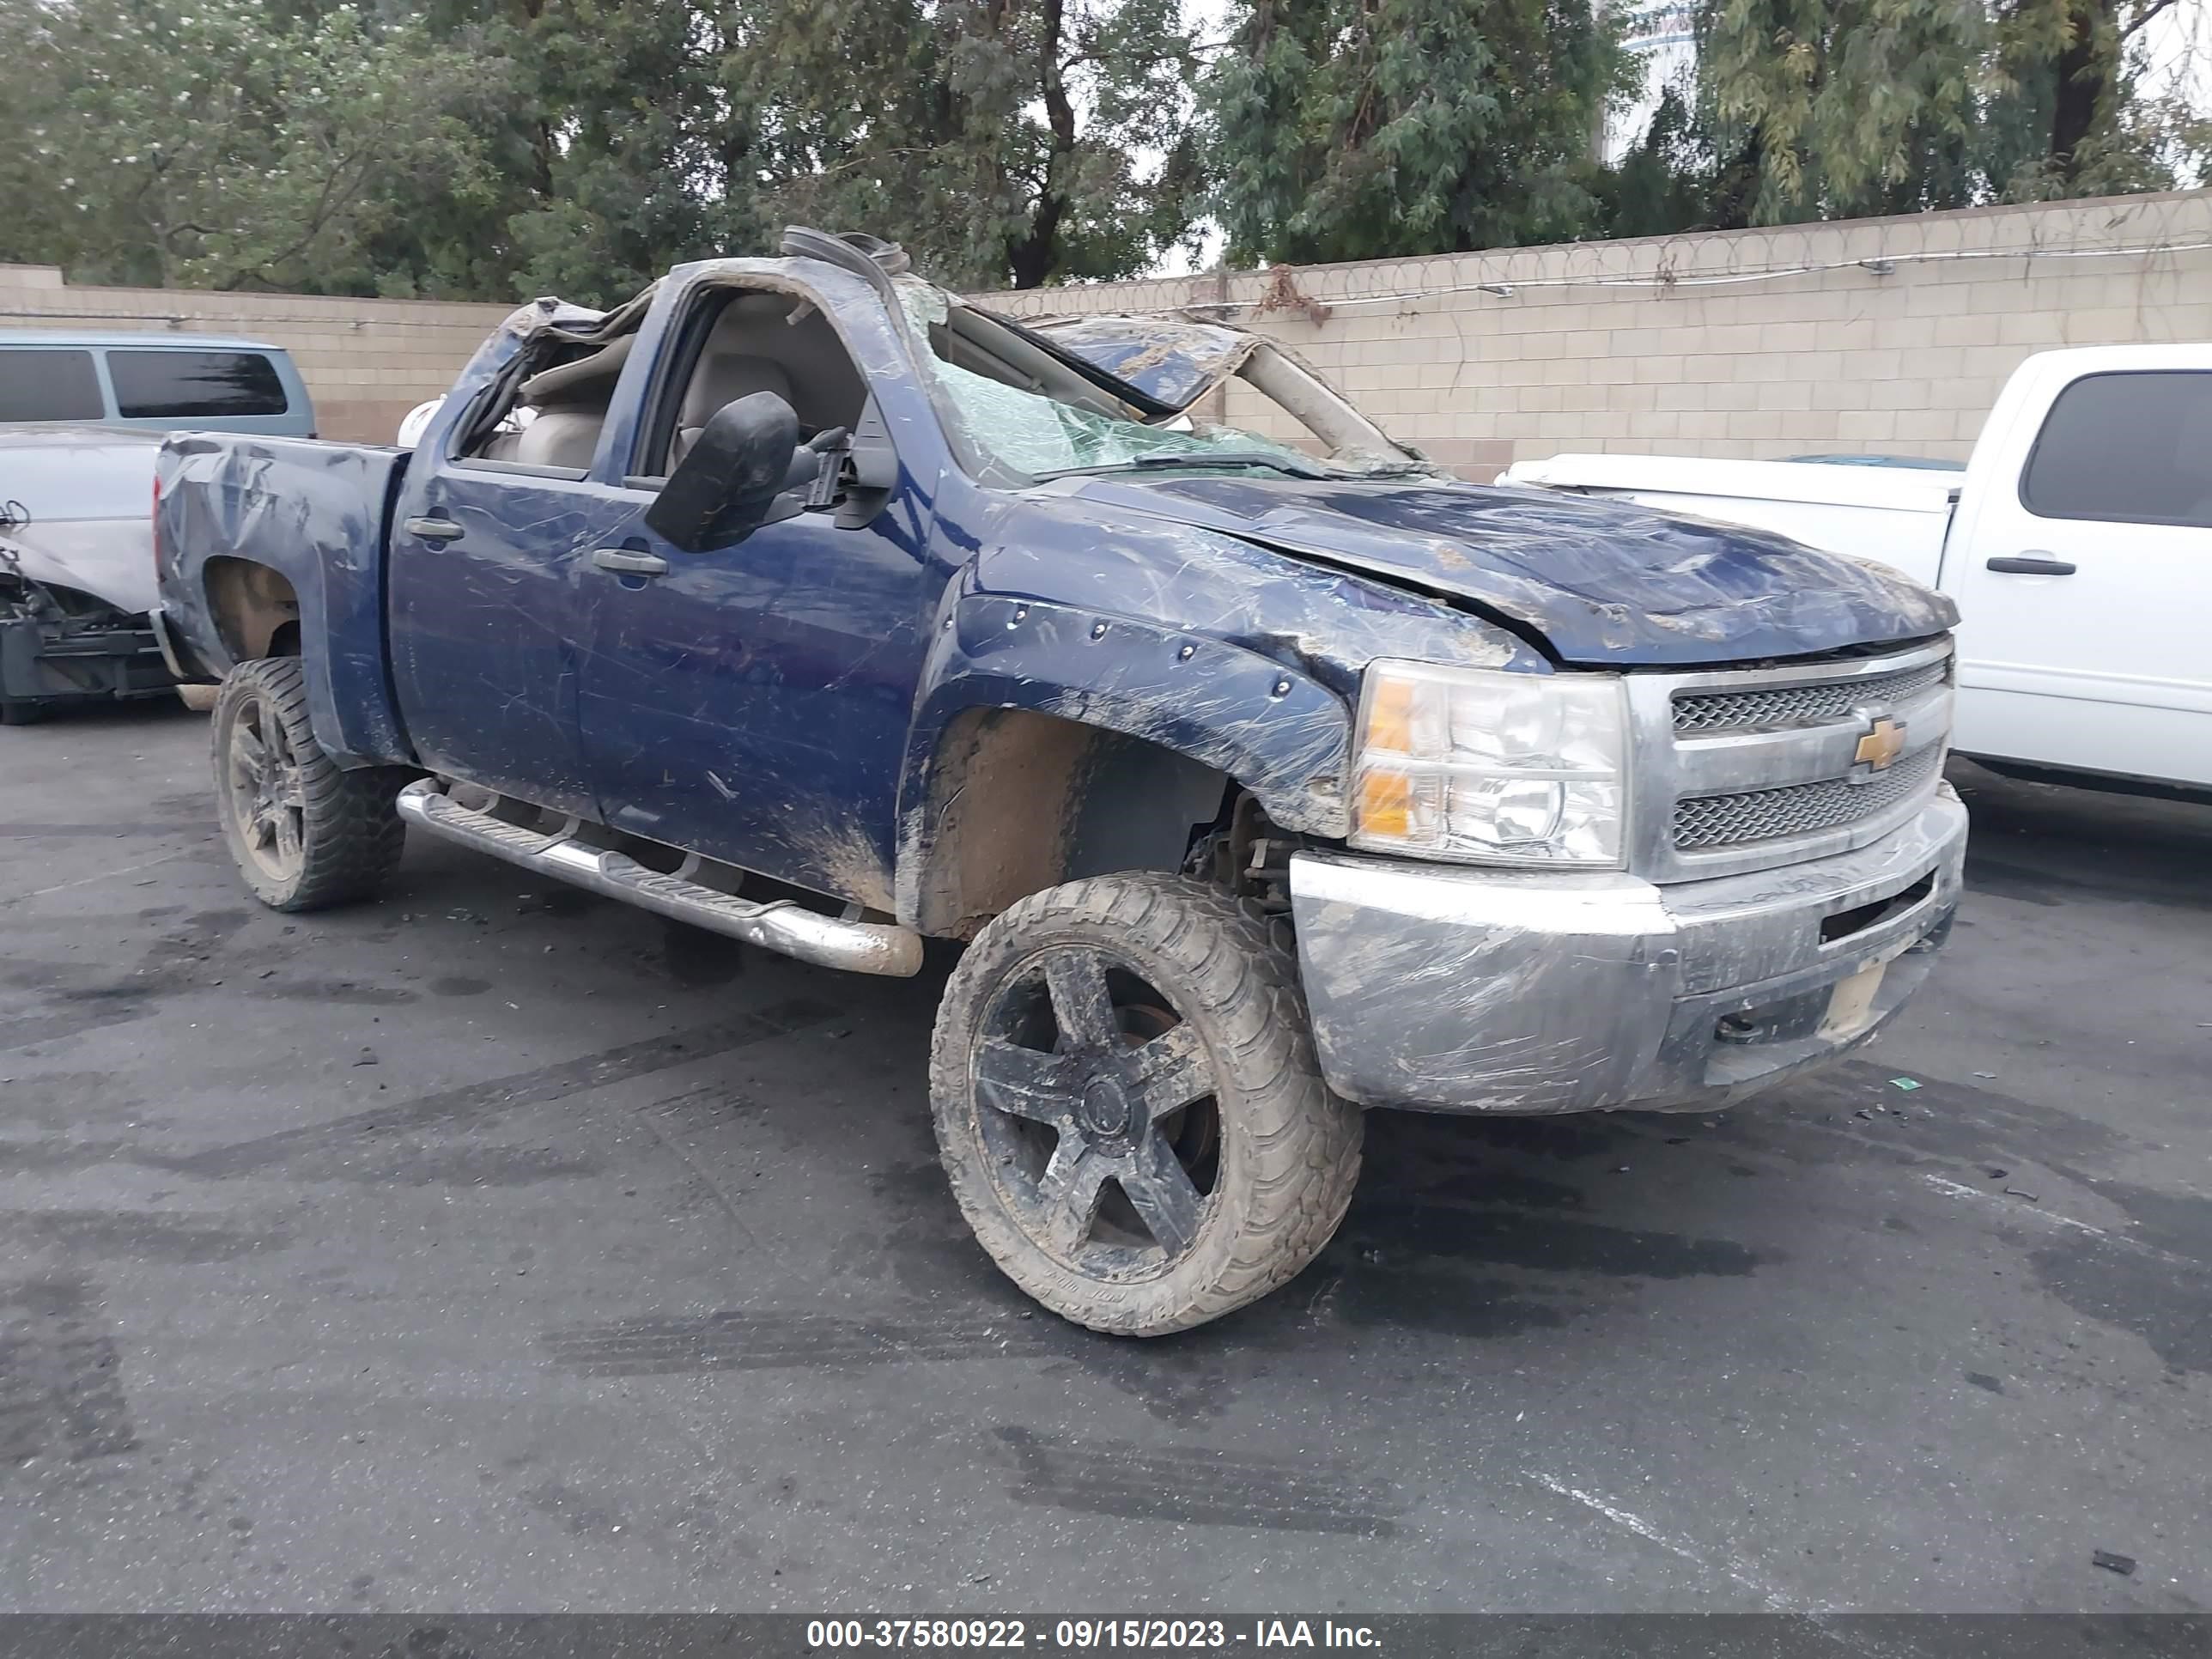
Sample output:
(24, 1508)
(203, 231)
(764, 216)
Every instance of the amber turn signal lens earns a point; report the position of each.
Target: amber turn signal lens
(1390, 717)
(1386, 803)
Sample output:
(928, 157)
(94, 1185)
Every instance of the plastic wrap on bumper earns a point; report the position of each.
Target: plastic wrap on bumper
(1463, 990)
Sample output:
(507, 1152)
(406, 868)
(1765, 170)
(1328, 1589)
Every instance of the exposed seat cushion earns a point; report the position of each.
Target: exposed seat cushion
(722, 377)
(559, 437)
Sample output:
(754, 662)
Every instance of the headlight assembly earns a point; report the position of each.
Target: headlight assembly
(1490, 768)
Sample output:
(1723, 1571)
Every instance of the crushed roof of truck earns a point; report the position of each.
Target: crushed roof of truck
(1175, 359)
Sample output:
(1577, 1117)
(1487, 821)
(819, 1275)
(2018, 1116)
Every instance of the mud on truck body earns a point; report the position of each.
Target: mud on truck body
(806, 601)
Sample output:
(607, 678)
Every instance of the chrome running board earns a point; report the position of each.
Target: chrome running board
(860, 947)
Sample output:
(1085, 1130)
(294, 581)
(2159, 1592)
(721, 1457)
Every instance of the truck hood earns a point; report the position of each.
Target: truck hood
(1602, 582)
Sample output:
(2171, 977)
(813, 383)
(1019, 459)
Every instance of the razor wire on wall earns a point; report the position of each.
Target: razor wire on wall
(2138, 227)
(1885, 336)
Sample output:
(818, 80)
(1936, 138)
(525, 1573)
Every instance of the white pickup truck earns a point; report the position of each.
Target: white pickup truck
(2077, 543)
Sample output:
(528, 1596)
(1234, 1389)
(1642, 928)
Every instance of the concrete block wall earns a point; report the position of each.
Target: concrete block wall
(1885, 336)
(367, 362)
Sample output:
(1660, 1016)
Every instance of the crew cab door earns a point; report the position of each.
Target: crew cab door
(491, 547)
(752, 703)
(2083, 573)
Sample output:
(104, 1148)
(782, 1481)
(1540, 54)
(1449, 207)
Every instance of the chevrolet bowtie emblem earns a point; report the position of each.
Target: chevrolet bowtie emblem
(1883, 742)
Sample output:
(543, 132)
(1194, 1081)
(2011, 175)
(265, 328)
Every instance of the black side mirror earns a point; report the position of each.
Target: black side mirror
(727, 488)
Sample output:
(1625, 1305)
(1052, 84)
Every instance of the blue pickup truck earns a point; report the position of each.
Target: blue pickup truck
(1264, 783)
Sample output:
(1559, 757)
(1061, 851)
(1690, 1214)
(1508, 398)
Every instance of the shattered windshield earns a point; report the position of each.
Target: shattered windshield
(1039, 435)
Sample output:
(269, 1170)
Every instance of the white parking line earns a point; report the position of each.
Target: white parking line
(1731, 1567)
(1619, 1518)
(87, 881)
(2017, 1209)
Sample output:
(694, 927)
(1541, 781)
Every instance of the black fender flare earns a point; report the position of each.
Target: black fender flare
(1275, 729)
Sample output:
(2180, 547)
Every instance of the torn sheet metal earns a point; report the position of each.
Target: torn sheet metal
(1184, 636)
(1175, 360)
(552, 318)
(1178, 358)
(1614, 585)
(1065, 543)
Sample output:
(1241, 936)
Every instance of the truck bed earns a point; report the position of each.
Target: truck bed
(316, 513)
(1896, 515)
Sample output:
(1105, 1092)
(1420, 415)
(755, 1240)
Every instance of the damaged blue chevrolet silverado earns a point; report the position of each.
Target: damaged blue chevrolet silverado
(1264, 783)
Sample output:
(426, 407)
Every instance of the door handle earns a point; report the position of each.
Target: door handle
(432, 530)
(629, 564)
(2033, 564)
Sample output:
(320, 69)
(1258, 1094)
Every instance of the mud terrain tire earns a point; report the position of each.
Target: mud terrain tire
(1128, 1105)
(305, 833)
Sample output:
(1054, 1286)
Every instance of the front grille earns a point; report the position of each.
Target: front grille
(1800, 809)
(1802, 705)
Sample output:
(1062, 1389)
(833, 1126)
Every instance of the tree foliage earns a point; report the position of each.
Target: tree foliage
(464, 150)
(1006, 141)
(1837, 108)
(1662, 184)
(479, 149)
(213, 145)
(1352, 129)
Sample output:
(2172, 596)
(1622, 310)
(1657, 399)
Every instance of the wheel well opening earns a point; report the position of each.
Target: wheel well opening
(1020, 801)
(255, 609)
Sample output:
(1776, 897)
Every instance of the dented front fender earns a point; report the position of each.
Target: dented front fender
(1276, 730)
(1206, 646)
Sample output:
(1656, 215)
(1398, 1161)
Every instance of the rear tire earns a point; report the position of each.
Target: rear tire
(17, 711)
(304, 832)
(1128, 1106)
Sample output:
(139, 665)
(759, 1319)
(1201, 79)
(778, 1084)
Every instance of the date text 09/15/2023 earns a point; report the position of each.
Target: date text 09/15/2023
(1082, 1635)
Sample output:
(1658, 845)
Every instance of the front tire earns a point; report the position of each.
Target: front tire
(304, 832)
(1128, 1106)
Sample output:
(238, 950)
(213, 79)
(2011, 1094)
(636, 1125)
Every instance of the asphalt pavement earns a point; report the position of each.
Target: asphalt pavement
(497, 1248)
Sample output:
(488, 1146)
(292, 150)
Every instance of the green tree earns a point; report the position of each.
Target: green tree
(1664, 184)
(1355, 128)
(208, 144)
(1813, 109)
(1002, 141)
(630, 154)
(1020, 141)
(463, 150)
(1817, 109)
(2071, 68)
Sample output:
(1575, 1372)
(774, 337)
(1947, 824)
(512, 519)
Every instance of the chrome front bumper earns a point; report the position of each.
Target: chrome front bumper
(1449, 990)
